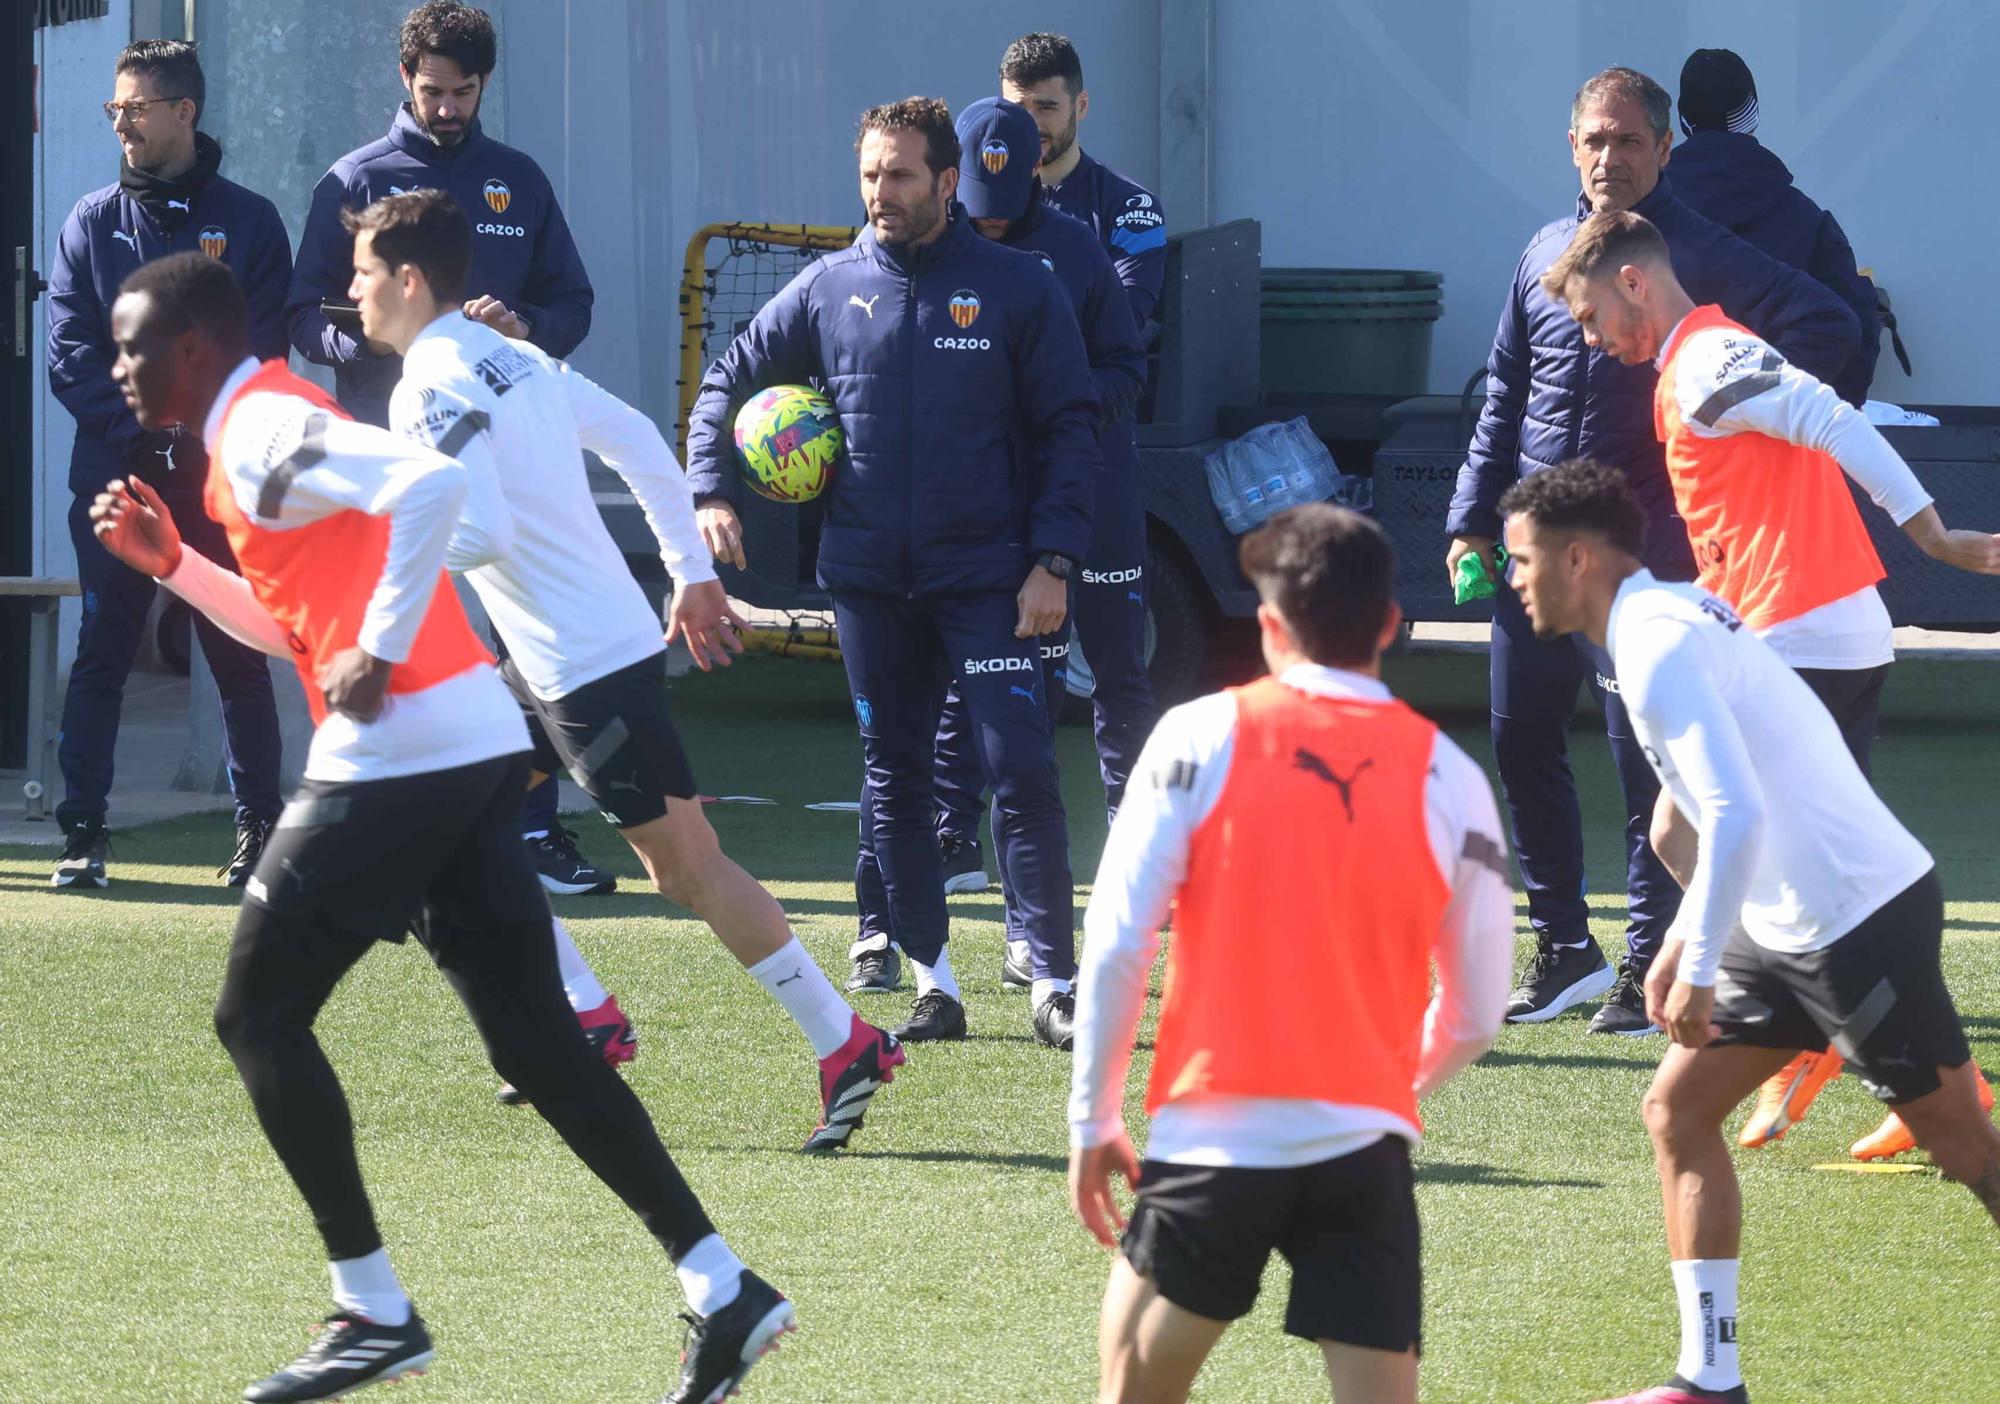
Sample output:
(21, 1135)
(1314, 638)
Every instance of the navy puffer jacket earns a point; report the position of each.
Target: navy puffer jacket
(966, 397)
(1550, 398)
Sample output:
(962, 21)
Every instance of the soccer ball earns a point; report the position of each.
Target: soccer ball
(788, 438)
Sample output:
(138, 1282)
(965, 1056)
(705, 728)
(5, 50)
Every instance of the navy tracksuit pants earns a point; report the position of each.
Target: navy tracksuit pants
(1534, 685)
(116, 599)
(900, 655)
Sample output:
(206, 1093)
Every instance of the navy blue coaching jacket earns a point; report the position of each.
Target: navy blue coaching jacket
(966, 397)
(110, 233)
(1550, 398)
(1731, 178)
(522, 252)
(1129, 220)
(1068, 249)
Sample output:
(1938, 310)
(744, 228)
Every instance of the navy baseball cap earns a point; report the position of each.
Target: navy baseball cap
(1000, 145)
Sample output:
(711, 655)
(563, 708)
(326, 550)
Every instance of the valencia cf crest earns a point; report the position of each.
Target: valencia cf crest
(214, 239)
(498, 196)
(965, 307)
(994, 156)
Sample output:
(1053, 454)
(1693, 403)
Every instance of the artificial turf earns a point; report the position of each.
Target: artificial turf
(152, 1249)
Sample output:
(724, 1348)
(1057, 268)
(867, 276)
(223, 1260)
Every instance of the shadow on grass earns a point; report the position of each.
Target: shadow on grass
(1017, 1160)
(1456, 1173)
(124, 890)
(1503, 1058)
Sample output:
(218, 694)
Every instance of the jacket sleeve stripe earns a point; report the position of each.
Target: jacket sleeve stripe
(310, 452)
(461, 432)
(1734, 394)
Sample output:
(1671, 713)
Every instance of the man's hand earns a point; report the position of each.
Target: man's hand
(1463, 546)
(135, 526)
(355, 684)
(1043, 602)
(493, 312)
(1688, 1015)
(1973, 551)
(1660, 979)
(1090, 1172)
(722, 533)
(701, 615)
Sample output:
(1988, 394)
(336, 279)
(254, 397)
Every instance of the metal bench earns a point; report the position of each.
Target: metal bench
(44, 595)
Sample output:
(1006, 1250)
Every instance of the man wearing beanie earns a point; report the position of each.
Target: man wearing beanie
(1731, 178)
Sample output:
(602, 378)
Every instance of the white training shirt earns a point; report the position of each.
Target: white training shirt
(1144, 864)
(1779, 400)
(348, 466)
(1796, 847)
(531, 541)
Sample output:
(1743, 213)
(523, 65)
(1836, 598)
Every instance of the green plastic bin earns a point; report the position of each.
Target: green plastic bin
(1348, 331)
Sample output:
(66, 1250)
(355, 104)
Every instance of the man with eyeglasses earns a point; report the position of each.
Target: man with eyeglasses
(168, 198)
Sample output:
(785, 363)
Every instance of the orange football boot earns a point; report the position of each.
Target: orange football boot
(1892, 1137)
(1785, 1095)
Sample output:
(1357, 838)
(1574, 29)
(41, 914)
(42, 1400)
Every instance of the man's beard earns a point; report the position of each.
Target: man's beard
(452, 136)
(1061, 142)
(918, 220)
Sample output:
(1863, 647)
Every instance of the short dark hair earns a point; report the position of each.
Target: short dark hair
(450, 30)
(1035, 58)
(1630, 83)
(1610, 239)
(928, 115)
(1330, 573)
(424, 228)
(1581, 495)
(171, 66)
(193, 291)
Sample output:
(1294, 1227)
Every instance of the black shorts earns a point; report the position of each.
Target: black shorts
(615, 738)
(1347, 1226)
(1854, 698)
(1877, 995)
(382, 857)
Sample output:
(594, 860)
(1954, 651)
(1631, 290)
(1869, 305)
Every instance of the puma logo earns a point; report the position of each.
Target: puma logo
(180, 205)
(121, 234)
(797, 974)
(1305, 760)
(1027, 692)
(854, 299)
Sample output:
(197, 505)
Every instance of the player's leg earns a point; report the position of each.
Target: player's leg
(891, 651)
(252, 745)
(1534, 687)
(1017, 964)
(1148, 1349)
(563, 870)
(1110, 602)
(1653, 897)
(1853, 697)
(1006, 686)
(1954, 1125)
(875, 966)
(485, 925)
(961, 791)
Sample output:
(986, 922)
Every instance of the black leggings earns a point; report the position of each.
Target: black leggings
(1854, 697)
(284, 964)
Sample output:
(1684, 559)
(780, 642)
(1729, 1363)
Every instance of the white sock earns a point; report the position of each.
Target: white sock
(936, 977)
(710, 1275)
(1043, 989)
(537, 834)
(579, 983)
(793, 979)
(369, 1288)
(1706, 1288)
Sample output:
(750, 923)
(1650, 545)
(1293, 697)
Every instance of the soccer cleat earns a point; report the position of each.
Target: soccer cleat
(964, 865)
(565, 871)
(251, 836)
(1679, 1391)
(1015, 972)
(82, 861)
(1785, 1095)
(351, 1351)
(1624, 1009)
(1055, 1022)
(934, 1017)
(1893, 1137)
(1558, 978)
(849, 1078)
(876, 972)
(607, 1030)
(722, 1346)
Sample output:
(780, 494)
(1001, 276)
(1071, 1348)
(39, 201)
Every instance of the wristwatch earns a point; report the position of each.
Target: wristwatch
(1056, 564)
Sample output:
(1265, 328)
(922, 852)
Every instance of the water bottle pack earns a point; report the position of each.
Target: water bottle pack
(1275, 466)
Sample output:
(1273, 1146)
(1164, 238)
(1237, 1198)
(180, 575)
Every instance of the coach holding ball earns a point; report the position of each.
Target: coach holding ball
(965, 392)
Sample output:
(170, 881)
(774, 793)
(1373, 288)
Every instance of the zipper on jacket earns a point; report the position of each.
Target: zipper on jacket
(909, 434)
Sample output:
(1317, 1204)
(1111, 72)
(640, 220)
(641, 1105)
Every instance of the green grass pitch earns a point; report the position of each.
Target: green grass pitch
(151, 1248)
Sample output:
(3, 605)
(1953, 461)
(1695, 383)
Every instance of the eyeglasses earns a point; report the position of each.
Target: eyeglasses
(133, 107)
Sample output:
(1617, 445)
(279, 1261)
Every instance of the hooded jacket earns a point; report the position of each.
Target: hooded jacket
(1550, 398)
(522, 252)
(966, 398)
(1732, 179)
(108, 235)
